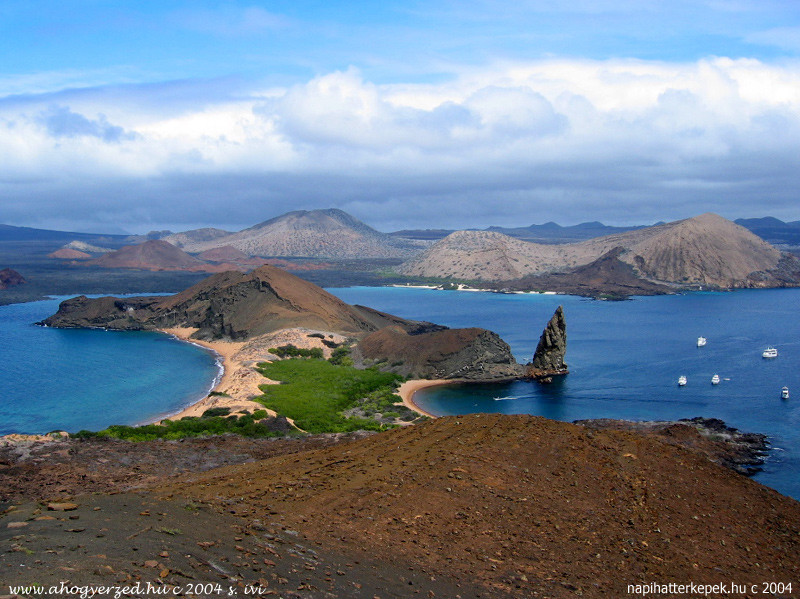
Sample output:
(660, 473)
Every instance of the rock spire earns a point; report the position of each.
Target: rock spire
(548, 359)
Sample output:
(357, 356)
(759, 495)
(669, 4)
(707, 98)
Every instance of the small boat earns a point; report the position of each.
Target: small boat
(681, 381)
(785, 393)
(770, 352)
(715, 379)
(701, 341)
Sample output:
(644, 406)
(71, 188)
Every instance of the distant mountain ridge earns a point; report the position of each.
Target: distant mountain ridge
(328, 234)
(706, 250)
(773, 230)
(549, 232)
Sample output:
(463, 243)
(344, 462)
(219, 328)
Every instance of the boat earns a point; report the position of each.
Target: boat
(681, 381)
(785, 393)
(701, 341)
(770, 352)
(715, 379)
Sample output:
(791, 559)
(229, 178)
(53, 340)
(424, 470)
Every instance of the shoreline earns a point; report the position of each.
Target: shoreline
(407, 390)
(225, 353)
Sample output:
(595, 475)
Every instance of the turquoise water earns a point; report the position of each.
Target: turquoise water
(625, 359)
(71, 379)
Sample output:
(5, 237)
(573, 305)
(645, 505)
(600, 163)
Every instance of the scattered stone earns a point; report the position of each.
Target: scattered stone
(62, 507)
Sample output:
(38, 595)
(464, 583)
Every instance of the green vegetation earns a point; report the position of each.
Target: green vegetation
(213, 422)
(291, 351)
(317, 394)
(341, 356)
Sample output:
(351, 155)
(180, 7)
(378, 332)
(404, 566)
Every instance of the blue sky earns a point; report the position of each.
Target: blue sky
(135, 116)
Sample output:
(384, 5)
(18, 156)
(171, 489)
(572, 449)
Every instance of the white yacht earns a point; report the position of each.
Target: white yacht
(785, 393)
(681, 381)
(715, 379)
(770, 352)
(701, 341)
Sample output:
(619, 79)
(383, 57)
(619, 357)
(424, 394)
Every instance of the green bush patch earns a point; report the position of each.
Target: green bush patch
(246, 425)
(316, 394)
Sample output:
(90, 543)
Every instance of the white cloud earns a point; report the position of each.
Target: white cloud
(620, 140)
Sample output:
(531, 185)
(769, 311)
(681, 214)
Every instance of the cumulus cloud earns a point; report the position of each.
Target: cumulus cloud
(567, 140)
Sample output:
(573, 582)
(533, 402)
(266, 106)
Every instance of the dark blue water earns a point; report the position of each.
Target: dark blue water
(625, 359)
(71, 379)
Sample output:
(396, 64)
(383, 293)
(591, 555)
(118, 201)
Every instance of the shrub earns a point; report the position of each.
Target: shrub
(314, 393)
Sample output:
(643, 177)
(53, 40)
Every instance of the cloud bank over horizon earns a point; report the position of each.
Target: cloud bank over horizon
(507, 141)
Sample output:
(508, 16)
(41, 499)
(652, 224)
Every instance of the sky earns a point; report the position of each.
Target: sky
(138, 116)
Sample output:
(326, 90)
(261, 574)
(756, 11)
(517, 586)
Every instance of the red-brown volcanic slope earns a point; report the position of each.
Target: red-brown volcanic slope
(150, 255)
(535, 507)
(10, 278)
(69, 254)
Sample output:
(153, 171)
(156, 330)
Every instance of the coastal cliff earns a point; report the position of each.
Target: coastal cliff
(471, 354)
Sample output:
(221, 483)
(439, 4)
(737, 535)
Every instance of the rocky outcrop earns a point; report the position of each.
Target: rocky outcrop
(548, 359)
(10, 278)
(471, 354)
(722, 444)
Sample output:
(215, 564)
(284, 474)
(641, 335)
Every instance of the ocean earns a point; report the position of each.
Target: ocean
(624, 358)
(73, 379)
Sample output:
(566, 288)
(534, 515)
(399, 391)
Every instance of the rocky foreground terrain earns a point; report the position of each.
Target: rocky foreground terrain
(478, 506)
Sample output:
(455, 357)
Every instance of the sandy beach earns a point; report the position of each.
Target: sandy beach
(234, 382)
(240, 380)
(406, 391)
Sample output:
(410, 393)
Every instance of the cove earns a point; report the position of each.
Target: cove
(73, 379)
(625, 358)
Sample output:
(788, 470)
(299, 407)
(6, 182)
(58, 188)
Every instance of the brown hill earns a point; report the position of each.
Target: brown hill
(487, 256)
(706, 250)
(10, 278)
(450, 353)
(69, 254)
(233, 305)
(312, 234)
(523, 505)
(608, 276)
(226, 253)
(155, 254)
